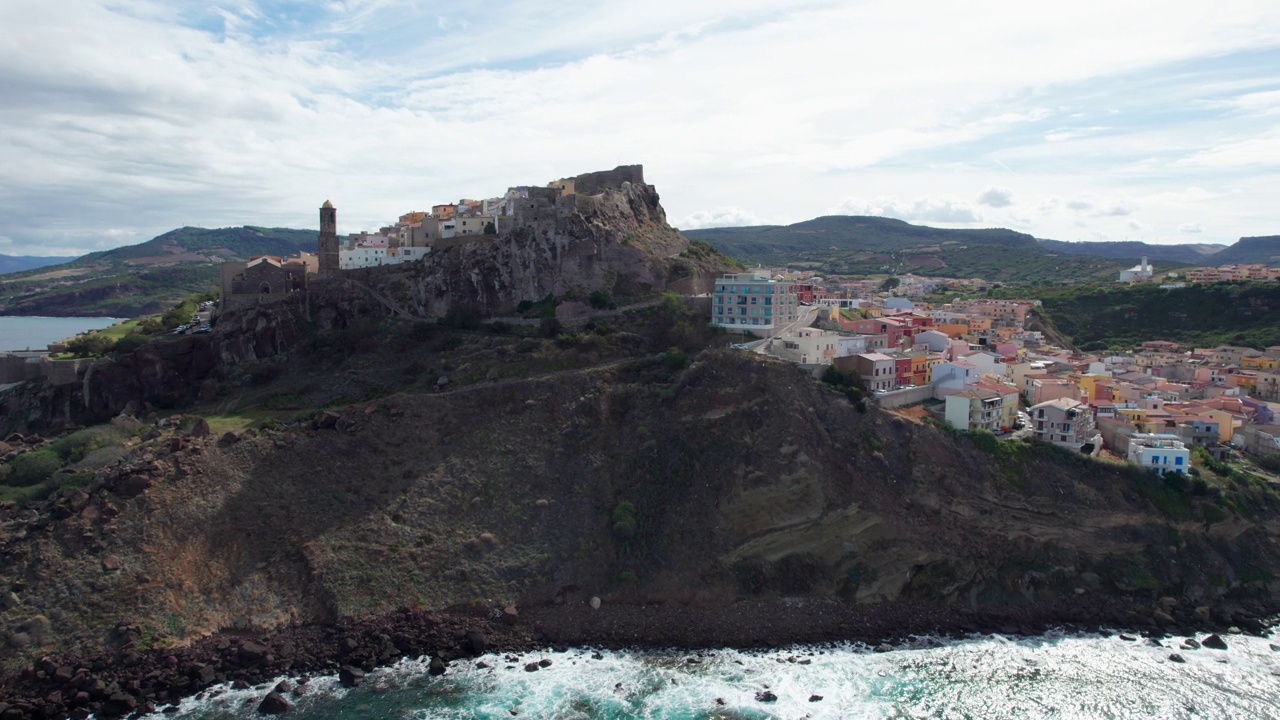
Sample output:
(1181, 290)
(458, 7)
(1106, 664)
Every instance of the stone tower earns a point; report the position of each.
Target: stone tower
(328, 250)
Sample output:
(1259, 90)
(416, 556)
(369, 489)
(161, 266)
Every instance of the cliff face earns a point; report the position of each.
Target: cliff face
(741, 479)
(169, 373)
(611, 236)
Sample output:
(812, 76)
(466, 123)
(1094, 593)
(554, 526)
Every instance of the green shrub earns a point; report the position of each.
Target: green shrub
(1213, 514)
(76, 446)
(601, 300)
(32, 468)
(130, 342)
(675, 359)
(94, 345)
(624, 520)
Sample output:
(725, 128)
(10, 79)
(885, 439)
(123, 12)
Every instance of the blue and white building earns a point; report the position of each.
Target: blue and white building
(754, 302)
(1159, 451)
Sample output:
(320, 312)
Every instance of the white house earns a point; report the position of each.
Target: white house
(1159, 451)
(953, 377)
(974, 409)
(933, 340)
(987, 362)
(853, 344)
(807, 346)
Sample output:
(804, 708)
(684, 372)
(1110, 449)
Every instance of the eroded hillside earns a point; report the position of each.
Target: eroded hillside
(634, 480)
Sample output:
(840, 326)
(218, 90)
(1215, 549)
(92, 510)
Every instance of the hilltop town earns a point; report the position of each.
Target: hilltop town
(975, 364)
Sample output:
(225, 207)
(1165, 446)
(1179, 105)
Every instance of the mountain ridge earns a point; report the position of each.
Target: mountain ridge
(853, 244)
(18, 263)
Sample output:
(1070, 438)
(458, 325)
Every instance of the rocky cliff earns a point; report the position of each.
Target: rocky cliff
(171, 372)
(737, 479)
(611, 236)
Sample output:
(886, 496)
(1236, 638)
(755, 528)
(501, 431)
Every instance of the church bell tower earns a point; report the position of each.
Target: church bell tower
(328, 249)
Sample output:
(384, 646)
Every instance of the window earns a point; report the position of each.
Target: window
(1178, 461)
(1155, 460)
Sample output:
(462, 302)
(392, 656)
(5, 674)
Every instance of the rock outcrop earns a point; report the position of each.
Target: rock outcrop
(744, 481)
(610, 236)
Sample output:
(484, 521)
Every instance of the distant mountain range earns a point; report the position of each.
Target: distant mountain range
(150, 276)
(18, 263)
(857, 245)
(143, 278)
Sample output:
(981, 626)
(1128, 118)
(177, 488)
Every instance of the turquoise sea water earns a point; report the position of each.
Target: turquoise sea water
(983, 677)
(21, 333)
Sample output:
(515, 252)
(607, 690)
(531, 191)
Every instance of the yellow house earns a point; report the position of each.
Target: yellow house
(1137, 416)
(1247, 381)
(1227, 423)
(1089, 384)
(953, 330)
(1259, 362)
(978, 324)
(930, 359)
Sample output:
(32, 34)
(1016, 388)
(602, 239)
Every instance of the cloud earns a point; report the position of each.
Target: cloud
(1191, 228)
(719, 217)
(919, 210)
(154, 114)
(1097, 208)
(996, 197)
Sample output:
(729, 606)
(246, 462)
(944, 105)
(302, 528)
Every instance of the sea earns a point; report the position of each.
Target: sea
(35, 333)
(1051, 676)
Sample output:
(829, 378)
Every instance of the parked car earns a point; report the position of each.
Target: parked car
(202, 329)
(180, 329)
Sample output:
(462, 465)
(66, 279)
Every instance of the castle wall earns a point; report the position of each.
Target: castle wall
(597, 182)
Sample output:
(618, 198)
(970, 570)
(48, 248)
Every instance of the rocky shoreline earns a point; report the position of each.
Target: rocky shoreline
(134, 680)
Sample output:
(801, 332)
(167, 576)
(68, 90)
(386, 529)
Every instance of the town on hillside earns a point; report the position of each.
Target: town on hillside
(412, 237)
(974, 365)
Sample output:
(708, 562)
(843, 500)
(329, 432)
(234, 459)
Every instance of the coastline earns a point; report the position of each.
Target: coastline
(133, 680)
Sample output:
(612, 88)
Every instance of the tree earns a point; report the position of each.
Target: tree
(890, 283)
(490, 228)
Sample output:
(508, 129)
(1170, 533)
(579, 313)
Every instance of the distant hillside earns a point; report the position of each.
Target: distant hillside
(1251, 250)
(1121, 316)
(18, 263)
(1126, 250)
(239, 243)
(143, 278)
(856, 245)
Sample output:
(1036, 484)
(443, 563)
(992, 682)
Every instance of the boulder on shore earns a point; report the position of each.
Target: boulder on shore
(274, 704)
(1214, 642)
(350, 676)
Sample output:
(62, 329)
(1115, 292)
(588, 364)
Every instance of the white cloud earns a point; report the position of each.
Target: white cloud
(127, 111)
(1191, 228)
(719, 217)
(926, 210)
(1114, 210)
(996, 197)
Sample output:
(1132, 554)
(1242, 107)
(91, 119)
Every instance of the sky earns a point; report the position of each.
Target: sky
(1138, 120)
